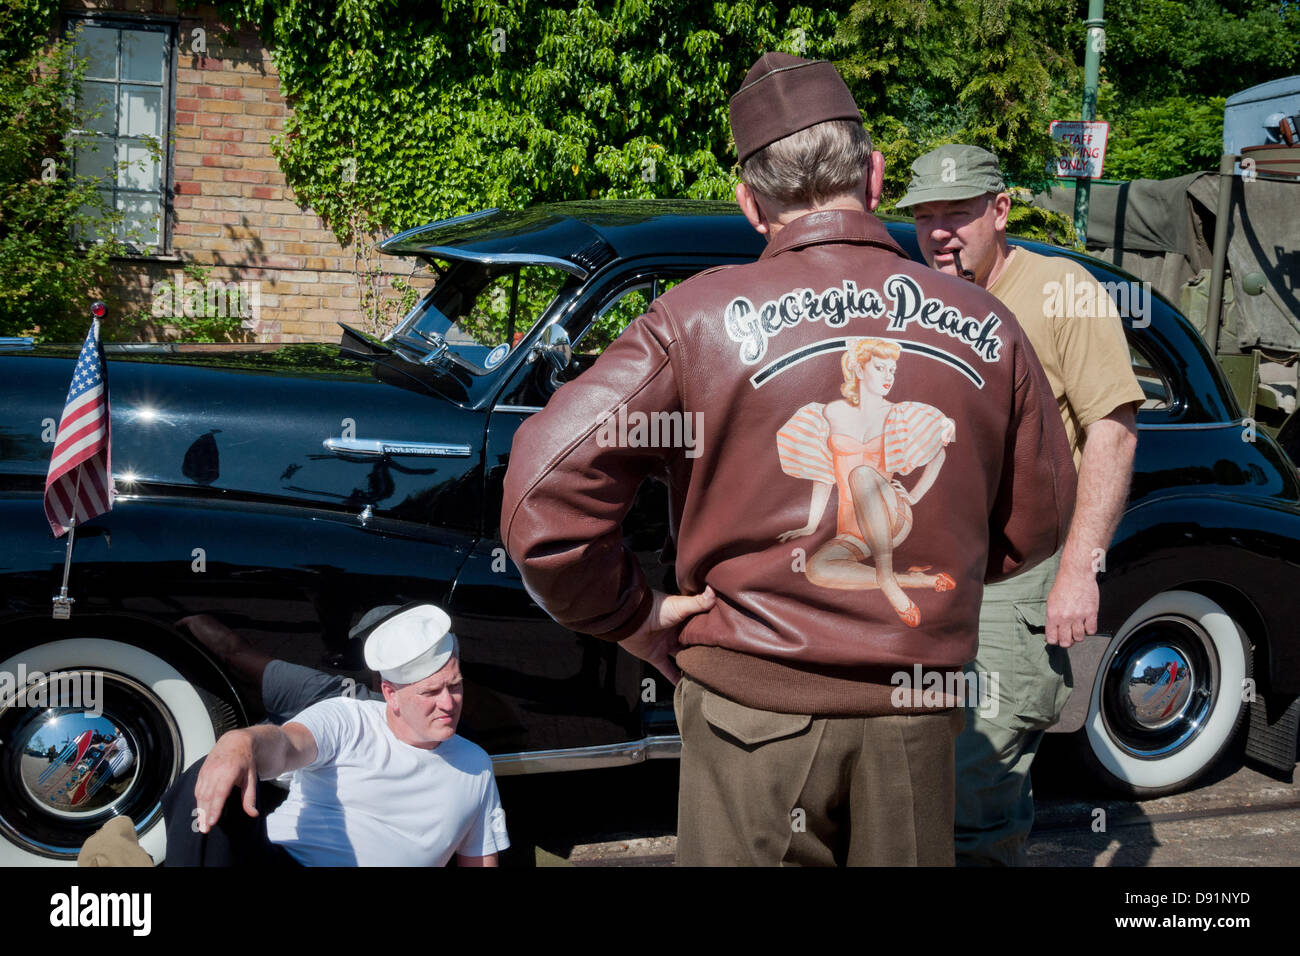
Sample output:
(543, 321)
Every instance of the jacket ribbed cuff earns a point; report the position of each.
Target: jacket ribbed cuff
(630, 626)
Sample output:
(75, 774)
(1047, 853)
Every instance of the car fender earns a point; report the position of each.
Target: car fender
(263, 564)
(1178, 543)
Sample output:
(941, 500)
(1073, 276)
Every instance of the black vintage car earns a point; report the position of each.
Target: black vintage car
(289, 489)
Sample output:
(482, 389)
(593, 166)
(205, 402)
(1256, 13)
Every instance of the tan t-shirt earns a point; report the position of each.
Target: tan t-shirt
(1074, 326)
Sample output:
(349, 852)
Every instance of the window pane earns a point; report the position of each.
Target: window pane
(99, 46)
(613, 319)
(1152, 382)
(141, 111)
(490, 320)
(94, 157)
(143, 55)
(142, 171)
(142, 219)
(95, 228)
(100, 99)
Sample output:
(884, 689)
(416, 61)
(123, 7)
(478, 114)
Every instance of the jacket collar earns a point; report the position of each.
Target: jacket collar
(832, 225)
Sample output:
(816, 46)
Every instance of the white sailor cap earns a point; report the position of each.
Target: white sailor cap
(411, 644)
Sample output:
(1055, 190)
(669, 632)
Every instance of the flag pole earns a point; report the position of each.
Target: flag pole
(81, 413)
(63, 604)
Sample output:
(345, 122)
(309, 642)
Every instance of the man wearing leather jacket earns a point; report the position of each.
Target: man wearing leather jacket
(870, 441)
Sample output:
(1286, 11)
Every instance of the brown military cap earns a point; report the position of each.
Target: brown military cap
(783, 94)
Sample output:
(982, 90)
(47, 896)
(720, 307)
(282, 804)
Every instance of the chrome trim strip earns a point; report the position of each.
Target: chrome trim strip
(668, 746)
(378, 447)
(521, 409)
(503, 258)
(1191, 426)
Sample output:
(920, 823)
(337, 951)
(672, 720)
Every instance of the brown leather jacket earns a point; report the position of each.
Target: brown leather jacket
(801, 461)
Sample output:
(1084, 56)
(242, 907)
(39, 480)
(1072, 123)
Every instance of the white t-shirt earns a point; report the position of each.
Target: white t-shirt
(371, 800)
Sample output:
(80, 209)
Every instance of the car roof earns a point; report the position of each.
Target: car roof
(582, 236)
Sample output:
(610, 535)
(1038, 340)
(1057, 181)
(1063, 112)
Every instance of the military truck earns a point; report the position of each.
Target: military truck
(1225, 247)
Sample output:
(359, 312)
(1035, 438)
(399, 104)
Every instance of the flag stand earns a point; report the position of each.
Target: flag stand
(63, 604)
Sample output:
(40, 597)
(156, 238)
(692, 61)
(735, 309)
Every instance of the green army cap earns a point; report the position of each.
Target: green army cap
(953, 172)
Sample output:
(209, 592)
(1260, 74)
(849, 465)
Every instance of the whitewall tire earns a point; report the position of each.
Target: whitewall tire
(1169, 694)
(148, 709)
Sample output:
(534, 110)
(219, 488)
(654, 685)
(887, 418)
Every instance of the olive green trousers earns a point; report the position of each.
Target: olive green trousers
(1030, 682)
(765, 789)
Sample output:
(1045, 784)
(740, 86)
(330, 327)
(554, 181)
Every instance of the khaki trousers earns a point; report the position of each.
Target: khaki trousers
(767, 789)
(995, 794)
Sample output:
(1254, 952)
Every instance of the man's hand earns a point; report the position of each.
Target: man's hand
(230, 764)
(656, 640)
(1072, 606)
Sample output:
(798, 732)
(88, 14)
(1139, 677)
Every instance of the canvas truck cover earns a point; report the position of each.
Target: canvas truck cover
(1162, 231)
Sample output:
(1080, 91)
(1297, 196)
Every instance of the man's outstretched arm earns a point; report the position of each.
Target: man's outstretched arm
(242, 757)
(1104, 476)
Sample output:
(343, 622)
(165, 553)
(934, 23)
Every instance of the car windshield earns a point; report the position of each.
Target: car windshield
(477, 313)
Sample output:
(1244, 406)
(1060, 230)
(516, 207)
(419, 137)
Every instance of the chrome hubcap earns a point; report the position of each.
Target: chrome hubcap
(64, 771)
(1159, 687)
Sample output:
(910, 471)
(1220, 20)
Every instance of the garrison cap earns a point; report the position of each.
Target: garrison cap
(783, 94)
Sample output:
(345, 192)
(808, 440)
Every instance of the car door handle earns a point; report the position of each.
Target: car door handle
(382, 448)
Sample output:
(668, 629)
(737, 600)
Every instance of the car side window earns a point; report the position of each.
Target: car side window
(1153, 382)
(615, 315)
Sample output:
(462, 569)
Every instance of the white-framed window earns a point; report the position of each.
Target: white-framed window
(128, 83)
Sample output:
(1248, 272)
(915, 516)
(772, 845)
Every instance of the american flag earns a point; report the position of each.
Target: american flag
(81, 470)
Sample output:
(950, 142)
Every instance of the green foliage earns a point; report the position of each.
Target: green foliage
(1167, 69)
(47, 280)
(958, 71)
(1033, 222)
(412, 113)
(1157, 49)
(1177, 135)
(201, 310)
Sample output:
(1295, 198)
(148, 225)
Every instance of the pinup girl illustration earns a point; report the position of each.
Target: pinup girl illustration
(855, 446)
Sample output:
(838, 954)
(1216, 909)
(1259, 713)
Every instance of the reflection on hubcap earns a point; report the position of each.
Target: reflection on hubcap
(75, 764)
(1159, 687)
(64, 772)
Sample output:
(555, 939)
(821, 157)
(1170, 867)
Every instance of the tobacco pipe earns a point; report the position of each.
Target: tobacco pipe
(964, 273)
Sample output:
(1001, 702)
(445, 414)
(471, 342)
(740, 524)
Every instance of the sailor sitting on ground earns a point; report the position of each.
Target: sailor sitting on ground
(375, 783)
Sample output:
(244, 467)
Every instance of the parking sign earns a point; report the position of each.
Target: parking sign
(1080, 149)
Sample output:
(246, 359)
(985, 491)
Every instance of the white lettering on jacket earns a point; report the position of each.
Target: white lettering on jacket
(752, 326)
(913, 305)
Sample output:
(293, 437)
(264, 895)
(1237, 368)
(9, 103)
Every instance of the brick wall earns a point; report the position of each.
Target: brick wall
(232, 210)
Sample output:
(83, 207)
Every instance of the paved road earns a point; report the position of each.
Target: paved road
(1240, 816)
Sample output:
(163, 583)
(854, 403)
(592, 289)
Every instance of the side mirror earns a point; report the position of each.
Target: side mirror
(555, 347)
